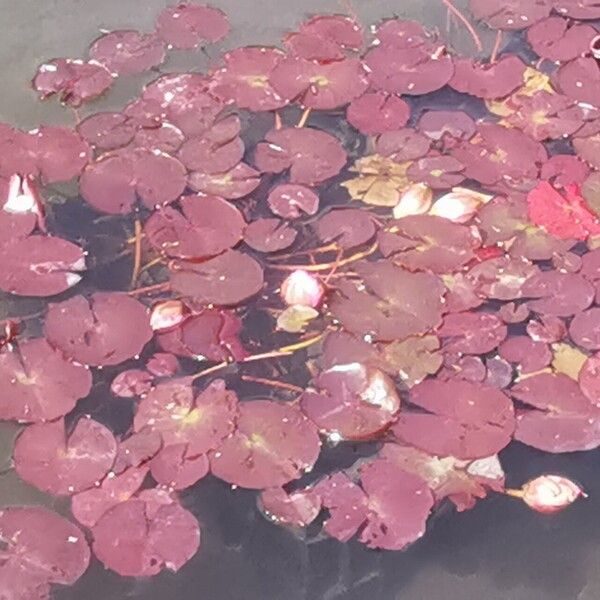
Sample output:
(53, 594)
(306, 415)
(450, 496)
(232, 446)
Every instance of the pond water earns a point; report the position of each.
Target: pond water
(499, 550)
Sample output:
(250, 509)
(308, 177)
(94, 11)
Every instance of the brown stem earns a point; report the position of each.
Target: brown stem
(283, 351)
(151, 289)
(272, 383)
(336, 264)
(278, 123)
(152, 263)
(137, 253)
(304, 117)
(477, 41)
(496, 47)
(318, 250)
(329, 265)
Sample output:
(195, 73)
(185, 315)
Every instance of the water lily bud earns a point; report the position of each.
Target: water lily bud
(550, 493)
(168, 314)
(303, 289)
(595, 46)
(416, 200)
(459, 205)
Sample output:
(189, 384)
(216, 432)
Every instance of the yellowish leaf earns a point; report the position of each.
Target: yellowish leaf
(568, 359)
(295, 318)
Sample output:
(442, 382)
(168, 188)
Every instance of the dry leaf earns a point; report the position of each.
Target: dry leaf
(568, 359)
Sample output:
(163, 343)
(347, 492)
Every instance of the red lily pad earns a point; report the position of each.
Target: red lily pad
(402, 145)
(513, 14)
(496, 153)
(585, 329)
(344, 31)
(589, 379)
(321, 86)
(472, 333)
(114, 181)
(395, 305)
(17, 154)
(246, 78)
(89, 506)
(42, 547)
(269, 235)
(40, 266)
(438, 172)
(426, 242)
(377, 112)
(346, 503)
(488, 81)
(411, 70)
(562, 419)
(546, 115)
(401, 33)
(441, 125)
(165, 139)
(212, 335)
(185, 26)
(587, 149)
(227, 279)
(38, 383)
(499, 373)
(548, 329)
(502, 278)
(134, 543)
(273, 443)
(559, 294)
(310, 46)
(163, 364)
(564, 169)
(311, 155)
(351, 401)
(298, 508)
(348, 227)
(174, 467)
(462, 482)
(580, 80)
(527, 354)
(578, 9)
(132, 383)
(292, 201)
(217, 150)
(558, 40)
(183, 99)
(107, 130)
(105, 329)
(399, 504)
(128, 52)
(62, 464)
(200, 423)
(466, 420)
(232, 185)
(206, 226)
(74, 81)
(135, 451)
(60, 153)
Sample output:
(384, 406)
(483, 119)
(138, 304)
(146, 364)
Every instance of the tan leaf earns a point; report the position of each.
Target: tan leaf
(413, 358)
(295, 318)
(568, 359)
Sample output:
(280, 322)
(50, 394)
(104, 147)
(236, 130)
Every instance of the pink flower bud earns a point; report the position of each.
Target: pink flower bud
(23, 197)
(168, 315)
(416, 200)
(550, 493)
(459, 205)
(303, 289)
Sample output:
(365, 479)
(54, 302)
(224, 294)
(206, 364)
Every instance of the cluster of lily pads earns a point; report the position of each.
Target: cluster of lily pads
(428, 279)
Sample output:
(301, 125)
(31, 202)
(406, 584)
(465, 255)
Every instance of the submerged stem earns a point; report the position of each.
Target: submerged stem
(514, 493)
(152, 289)
(304, 117)
(496, 48)
(137, 253)
(318, 250)
(272, 383)
(476, 39)
(329, 265)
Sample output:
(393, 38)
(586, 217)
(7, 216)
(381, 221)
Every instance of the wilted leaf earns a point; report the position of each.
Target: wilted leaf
(295, 318)
(568, 359)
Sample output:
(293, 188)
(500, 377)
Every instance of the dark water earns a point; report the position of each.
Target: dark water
(497, 551)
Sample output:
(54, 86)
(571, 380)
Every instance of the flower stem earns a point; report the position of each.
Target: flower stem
(272, 383)
(477, 41)
(137, 253)
(496, 48)
(151, 289)
(329, 265)
(304, 117)
(318, 250)
(514, 493)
